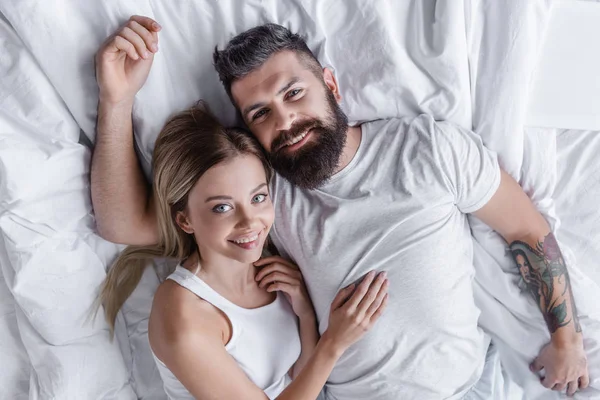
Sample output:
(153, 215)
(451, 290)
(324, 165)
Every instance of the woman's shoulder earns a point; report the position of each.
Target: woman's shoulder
(178, 315)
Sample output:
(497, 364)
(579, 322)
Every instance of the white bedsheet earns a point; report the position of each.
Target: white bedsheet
(467, 61)
(566, 85)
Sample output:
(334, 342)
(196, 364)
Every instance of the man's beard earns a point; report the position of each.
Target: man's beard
(315, 162)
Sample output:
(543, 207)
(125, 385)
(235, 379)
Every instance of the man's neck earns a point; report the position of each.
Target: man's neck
(353, 139)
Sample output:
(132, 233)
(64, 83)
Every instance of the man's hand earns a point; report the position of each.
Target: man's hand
(124, 60)
(565, 366)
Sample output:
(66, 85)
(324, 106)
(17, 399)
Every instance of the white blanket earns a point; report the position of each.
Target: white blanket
(466, 61)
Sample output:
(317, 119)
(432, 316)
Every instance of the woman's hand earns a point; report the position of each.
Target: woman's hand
(124, 60)
(353, 312)
(279, 274)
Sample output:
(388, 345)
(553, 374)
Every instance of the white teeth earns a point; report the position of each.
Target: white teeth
(296, 139)
(247, 240)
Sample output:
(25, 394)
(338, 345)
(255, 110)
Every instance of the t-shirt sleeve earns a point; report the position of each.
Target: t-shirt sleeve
(470, 170)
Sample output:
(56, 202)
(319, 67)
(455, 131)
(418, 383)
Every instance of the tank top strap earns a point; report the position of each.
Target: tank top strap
(197, 286)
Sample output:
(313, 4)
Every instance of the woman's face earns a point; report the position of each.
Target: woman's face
(523, 268)
(229, 210)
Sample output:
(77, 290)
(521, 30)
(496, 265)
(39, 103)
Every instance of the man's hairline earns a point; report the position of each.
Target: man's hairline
(304, 59)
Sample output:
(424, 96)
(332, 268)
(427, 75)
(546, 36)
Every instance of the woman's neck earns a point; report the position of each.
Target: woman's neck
(222, 272)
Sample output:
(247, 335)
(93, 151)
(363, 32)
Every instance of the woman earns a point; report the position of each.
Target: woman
(226, 325)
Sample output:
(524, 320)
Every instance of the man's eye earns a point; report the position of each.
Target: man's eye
(259, 114)
(221, 208)
(293, 93)
(259, 198)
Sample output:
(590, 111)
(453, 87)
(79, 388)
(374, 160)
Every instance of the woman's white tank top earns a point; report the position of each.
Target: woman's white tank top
(265, 341)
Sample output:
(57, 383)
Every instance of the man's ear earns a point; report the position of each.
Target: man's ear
(331, 83)
(184, 223)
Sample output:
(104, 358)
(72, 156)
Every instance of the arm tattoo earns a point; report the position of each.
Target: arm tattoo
(544, 271)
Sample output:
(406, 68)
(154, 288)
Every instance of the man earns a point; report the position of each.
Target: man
(387, 195)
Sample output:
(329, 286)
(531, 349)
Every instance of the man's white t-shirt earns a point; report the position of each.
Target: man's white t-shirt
(399, 206)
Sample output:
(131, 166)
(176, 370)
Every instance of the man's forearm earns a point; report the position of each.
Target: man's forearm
(119, 189)
(544, 271)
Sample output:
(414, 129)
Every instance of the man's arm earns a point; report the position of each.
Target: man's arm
(122, 202)
(511, 213)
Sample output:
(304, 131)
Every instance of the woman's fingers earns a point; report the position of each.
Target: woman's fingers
(371, 294)
(379, 311)
(273, 260)
(282, 287)
(342, 296)
(374, 306)
(277, 277)
(278, 267)
(360, 292)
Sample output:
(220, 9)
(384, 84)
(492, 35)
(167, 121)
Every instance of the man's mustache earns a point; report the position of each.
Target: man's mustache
(297, 129)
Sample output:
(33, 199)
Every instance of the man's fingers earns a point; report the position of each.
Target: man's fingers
(573, 386)
(559, 387)
(146, 22)
(119, 43)
(536, 365)
(342, 296)
(140, 46)
(145, 34)
(584, 381)
(547, 382)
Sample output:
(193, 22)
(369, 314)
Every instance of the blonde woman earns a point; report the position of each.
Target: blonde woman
(227, 324)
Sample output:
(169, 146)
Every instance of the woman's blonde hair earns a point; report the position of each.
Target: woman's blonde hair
(190, 143)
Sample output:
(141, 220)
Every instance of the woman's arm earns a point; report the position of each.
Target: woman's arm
(309, 337)
(193, 348)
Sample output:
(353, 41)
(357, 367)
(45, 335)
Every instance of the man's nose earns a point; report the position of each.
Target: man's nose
(284, 119)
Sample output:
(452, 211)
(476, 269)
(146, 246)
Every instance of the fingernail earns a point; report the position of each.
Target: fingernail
(157, 26)
(384, 274)
(146, 55)
(154, 47)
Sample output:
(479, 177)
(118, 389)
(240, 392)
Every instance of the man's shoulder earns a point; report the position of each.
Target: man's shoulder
(423, 123)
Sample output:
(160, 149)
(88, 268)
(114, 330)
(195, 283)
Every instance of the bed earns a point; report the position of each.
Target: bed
(487, 65)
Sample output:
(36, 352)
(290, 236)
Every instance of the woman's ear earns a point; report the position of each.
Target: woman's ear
(184, 223)
(331, 83)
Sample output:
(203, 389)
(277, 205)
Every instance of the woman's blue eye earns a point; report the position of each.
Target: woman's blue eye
(259, 198)
(222, 208)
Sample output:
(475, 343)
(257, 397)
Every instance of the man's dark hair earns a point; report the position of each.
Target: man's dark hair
(250, 49)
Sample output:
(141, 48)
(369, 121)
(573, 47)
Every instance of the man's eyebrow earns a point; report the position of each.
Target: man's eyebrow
(254, 106)
(291, 83)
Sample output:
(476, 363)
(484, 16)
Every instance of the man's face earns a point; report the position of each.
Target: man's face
(295, 116)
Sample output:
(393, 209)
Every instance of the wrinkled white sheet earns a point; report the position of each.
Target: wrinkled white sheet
(566, 86)
(466, 61)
